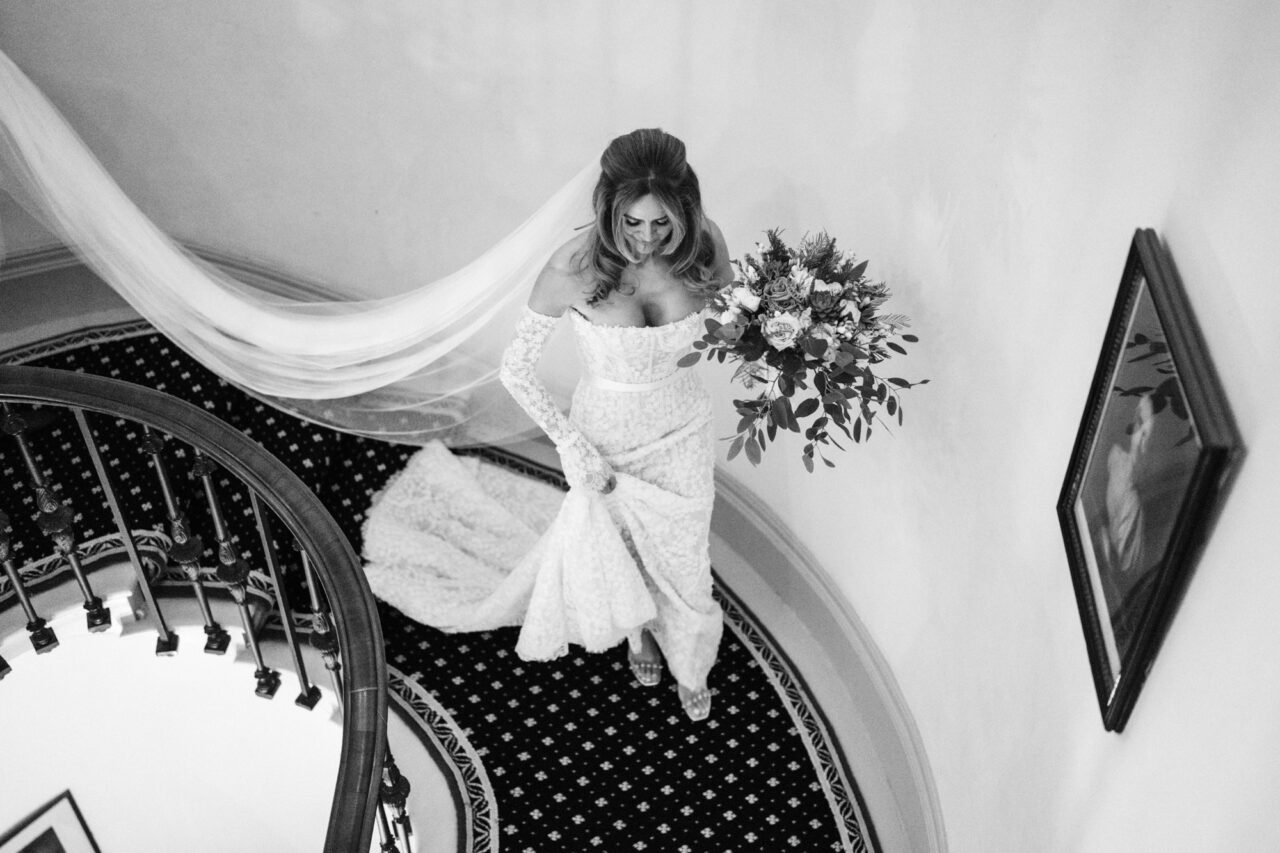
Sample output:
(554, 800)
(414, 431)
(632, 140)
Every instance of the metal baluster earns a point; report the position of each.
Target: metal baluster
(167, 641)
(234, 574)
(43, 639)
(323, 638)
(310, 694)
(185, 547)
(56, 522)
(386, 836)
(395, 795)
(234, 571)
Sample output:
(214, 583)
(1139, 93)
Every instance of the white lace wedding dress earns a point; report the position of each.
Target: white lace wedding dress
(467, 546)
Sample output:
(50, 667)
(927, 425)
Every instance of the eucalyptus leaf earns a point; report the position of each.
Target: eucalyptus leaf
(689, 360)
(779, 411)
(791, 422)
(815, 347)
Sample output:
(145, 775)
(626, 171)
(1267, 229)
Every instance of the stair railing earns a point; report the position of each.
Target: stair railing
(336, 608)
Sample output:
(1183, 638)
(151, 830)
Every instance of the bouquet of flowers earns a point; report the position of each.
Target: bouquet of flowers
(804, 325)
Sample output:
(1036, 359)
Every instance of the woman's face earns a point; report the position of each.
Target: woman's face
(645, 227)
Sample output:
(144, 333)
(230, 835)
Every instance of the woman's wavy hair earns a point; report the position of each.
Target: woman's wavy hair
(640, 163)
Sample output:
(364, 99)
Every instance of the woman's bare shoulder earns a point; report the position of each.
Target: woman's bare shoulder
(563, 281)
(567, 260)
(723, 271)
(717, 236)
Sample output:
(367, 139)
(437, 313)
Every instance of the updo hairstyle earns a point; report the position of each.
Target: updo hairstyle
(647, 162)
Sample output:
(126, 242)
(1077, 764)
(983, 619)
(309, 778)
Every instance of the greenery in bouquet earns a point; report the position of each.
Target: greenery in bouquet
(805, 327)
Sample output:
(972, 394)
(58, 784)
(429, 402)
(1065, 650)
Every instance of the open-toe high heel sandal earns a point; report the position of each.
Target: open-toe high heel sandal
(647, 672)
(697, 705)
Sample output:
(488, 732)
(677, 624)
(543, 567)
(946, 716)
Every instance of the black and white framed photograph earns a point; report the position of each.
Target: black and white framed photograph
(56, 827)
(1153, 456)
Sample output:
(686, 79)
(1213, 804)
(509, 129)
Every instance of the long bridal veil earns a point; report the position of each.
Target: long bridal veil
(408, 368)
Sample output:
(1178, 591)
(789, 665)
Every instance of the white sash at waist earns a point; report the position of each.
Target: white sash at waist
(614, 385)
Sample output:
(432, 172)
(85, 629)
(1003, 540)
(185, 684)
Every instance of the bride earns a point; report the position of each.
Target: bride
(626, 558)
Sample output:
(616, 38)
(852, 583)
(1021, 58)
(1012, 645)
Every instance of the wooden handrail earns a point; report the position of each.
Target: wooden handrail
(359, 632)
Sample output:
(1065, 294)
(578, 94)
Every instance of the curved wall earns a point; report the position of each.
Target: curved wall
(991, 158)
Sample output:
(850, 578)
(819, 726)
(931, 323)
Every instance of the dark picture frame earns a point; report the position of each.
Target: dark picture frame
(1153, 459)
(56, 827)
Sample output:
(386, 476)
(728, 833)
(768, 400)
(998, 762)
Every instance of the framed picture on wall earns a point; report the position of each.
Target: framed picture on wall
(1154, 455)
(55, 827)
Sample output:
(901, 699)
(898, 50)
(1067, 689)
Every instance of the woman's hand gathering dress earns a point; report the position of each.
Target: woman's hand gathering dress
(467, 547)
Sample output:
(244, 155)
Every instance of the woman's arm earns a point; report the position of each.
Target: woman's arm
(554, 293)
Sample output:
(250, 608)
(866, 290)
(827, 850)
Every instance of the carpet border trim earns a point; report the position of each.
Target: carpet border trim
(59, 344)
(475, 798)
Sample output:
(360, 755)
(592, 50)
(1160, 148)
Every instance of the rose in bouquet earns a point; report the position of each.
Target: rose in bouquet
(805, 327)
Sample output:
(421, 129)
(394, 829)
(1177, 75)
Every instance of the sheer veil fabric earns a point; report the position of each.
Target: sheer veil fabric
(411, 368)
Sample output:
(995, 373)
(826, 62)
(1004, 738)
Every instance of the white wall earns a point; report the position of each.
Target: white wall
(173, 753)
(204, 758)
(992, 159)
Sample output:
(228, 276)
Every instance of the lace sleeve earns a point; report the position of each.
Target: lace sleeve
(583, 465)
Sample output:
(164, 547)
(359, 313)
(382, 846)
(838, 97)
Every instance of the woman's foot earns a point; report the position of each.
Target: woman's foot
(696, 703)
(647, 665)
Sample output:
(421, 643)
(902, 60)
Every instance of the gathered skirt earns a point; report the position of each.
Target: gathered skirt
(464, 545)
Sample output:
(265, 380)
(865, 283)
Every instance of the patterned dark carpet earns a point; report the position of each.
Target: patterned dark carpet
(569, 755)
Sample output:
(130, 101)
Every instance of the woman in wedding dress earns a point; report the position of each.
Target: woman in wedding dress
(626, 558)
